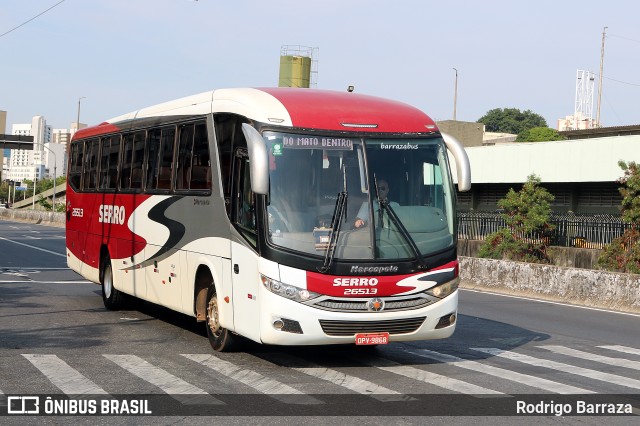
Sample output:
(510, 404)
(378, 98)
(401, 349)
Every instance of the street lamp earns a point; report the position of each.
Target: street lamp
(455, 95)
(55, 167)
(78, 118)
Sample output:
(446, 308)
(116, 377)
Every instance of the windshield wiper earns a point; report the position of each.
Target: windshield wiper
(386, 206)
(336, 223)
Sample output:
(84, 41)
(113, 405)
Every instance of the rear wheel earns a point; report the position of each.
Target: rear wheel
(112, 298)
(221, 339)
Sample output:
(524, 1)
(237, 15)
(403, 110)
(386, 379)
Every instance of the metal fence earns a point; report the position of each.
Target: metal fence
(571, 230)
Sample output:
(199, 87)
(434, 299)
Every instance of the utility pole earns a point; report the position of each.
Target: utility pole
(455, 95)
(604, 32)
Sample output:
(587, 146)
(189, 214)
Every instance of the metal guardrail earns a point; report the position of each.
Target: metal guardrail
(571, 230)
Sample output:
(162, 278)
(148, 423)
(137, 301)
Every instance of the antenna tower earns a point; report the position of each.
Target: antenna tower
(584, 100)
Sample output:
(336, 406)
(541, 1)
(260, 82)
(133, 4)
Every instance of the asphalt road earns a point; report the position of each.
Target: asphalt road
(57, 339)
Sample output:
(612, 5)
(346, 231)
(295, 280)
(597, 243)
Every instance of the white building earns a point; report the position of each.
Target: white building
(30, 164)
(582, 174)
(575, 122)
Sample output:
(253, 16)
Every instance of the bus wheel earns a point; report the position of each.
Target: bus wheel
(112, 298)
(221, 339)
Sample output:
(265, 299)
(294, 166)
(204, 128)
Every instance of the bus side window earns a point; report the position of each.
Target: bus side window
(75, 168)
(127, 159)
(90, 169)
(167, 141)
(109, 162)
(137, 163)
(153, 159)
(201, 165)
(185, 151)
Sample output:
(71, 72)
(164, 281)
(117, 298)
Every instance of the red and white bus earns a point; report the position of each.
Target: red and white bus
(239, 207)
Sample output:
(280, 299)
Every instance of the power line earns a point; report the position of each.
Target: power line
(626, 38)
(623, 82)
(619, 81)
(26, 22)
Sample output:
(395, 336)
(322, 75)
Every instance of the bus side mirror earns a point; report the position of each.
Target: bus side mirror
(258, 159)
(463, 166)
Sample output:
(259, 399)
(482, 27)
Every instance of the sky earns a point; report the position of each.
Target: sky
(122, 55)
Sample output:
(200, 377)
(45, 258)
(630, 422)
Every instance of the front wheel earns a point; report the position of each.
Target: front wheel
(112, 298)
(221, 339)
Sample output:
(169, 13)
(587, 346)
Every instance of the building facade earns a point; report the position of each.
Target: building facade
(582, 174)
(30, 164)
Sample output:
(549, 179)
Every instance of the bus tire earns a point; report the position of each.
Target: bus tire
(221, 339)
(113, 299)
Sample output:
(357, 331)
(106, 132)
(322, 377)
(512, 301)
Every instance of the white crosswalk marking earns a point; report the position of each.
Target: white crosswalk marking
(273, 388)
(535, 382)
(428, 377)
(624, 349)
(580, 371)
(179, 389)
(355, 384)
(67, 379)
(618, 362)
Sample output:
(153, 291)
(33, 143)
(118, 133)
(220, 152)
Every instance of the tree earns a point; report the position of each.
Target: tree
(526, 214)
(539, 134)
(623, 254)
(511, 120)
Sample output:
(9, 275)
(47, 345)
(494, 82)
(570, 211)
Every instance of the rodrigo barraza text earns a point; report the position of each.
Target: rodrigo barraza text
(575, 407)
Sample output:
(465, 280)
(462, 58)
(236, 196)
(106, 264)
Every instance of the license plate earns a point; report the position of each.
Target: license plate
(372, 339)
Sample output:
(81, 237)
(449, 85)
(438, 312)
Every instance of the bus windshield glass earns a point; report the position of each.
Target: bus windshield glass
(397, 195)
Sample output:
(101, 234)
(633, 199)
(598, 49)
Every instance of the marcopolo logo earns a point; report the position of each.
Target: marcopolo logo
(111, 214)
(357, 269)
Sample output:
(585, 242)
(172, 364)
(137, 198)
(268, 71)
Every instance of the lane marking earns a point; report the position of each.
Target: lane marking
(180, 390)
(355, 384)
(624, 349)
(618, 362)
(533, 381)
(566, 368)
(551, 302)
(434, 379)
(64, 377)
(33, 247)
(257, 381)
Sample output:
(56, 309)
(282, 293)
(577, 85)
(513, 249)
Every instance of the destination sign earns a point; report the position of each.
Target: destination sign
(317, 142)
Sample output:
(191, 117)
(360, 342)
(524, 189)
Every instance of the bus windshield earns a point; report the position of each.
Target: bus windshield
(397, 194)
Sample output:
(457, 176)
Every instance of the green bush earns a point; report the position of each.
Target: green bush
(526, 214)
(623, 254)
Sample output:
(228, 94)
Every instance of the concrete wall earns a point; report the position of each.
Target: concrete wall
(34, 216)
(570, 257)
(585, 287)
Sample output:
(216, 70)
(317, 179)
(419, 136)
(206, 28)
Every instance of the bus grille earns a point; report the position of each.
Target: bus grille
(349, 328)
(391, 304)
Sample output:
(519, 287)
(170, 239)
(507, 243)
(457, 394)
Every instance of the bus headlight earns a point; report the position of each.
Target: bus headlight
(443, 290)
(287, 291)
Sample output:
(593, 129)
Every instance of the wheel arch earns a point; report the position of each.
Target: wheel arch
(205, 275)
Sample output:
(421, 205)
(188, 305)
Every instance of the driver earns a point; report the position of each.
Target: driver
(363, 214)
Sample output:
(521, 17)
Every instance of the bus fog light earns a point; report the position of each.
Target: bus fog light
(446, 320)
(278, 324)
